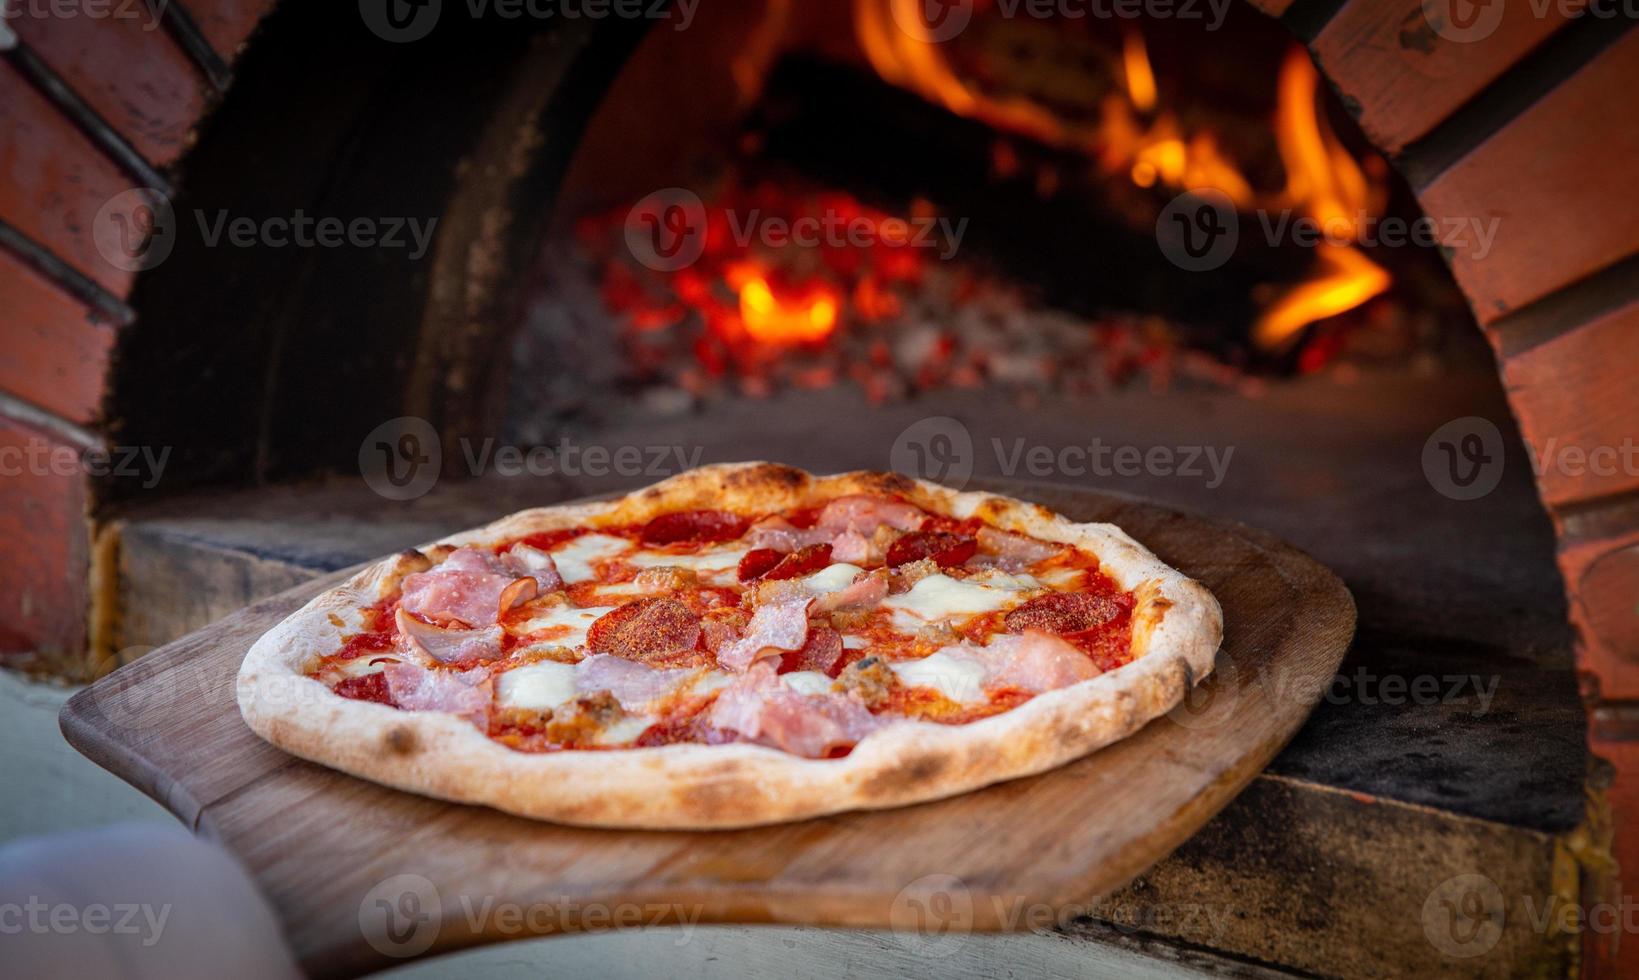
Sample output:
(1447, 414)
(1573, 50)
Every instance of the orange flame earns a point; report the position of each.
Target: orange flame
(1322, 179)
(772, 318)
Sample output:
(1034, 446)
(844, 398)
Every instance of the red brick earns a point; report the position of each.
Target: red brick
(1405, 76)
(127, 67)
(1600, 577)
(227, 23)
(53, 181)
(43, 585)
(1558, 177)
(56, 350)
(1575, 395)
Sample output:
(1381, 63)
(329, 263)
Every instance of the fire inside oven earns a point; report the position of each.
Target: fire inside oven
(845, 199)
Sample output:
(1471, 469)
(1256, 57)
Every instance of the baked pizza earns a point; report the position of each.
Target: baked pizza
(738, 645)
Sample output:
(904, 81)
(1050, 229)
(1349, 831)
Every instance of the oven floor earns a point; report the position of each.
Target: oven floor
(1454, 723)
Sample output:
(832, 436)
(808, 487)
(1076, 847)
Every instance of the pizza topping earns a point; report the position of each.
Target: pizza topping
(864, 592)
(851, 547)
(758, 562)
(759, 707)
(471, 588)
(634, 685)
(449, 646)
(941, 597)
(535, 563)
(467, 693)
(944, 548)
(775, 627)
(537, 687)
(803, 561)
(1063, 612)
(667, 578)
(1007, 547)
(820, 653)
(693, 525)
(809, 624)
(650, 630)
(1034, 661)
(863, 514)
(956, 673)
(869, 679)
(578, 557)
(367, 687)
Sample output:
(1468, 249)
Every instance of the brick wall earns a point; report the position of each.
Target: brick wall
(98, 100)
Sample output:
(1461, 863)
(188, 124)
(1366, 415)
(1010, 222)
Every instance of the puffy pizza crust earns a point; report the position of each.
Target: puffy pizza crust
(1177, 627)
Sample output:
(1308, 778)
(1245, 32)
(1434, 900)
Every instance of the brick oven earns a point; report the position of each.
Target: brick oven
(187, 421)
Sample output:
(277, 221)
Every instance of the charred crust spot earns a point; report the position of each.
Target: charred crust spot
(908, 774)
(400, 740)
(768, 475)
(886, 483)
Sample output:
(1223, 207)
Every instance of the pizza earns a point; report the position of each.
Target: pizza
(738, 645)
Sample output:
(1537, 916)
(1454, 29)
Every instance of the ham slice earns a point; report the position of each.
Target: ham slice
(450, 646)
(468, 693)
(865, 592)
(758, 707)
(1013, 551)
(633, 684)
(524, 560)
(776, 627)
(1030, 661)
(847, 524)
(863, 514)
(474, 588)
(783, 536)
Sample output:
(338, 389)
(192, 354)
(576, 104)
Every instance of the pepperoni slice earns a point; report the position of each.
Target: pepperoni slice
(821, 652)
(645, 630)
(803, 561)
(693, 525)
(758, 562)
(946, 548)
(1062, 613)
(369, 687)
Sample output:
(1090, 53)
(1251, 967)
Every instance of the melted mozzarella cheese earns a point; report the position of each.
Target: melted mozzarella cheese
(718, 565)
(832, 578)
(995, 578)
(625, 730)
(537, 687)
(807, 682)
(957, 678)
(942, 597)
(1064, 579)
(577, 620)
(576, 556)
(853, 641)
